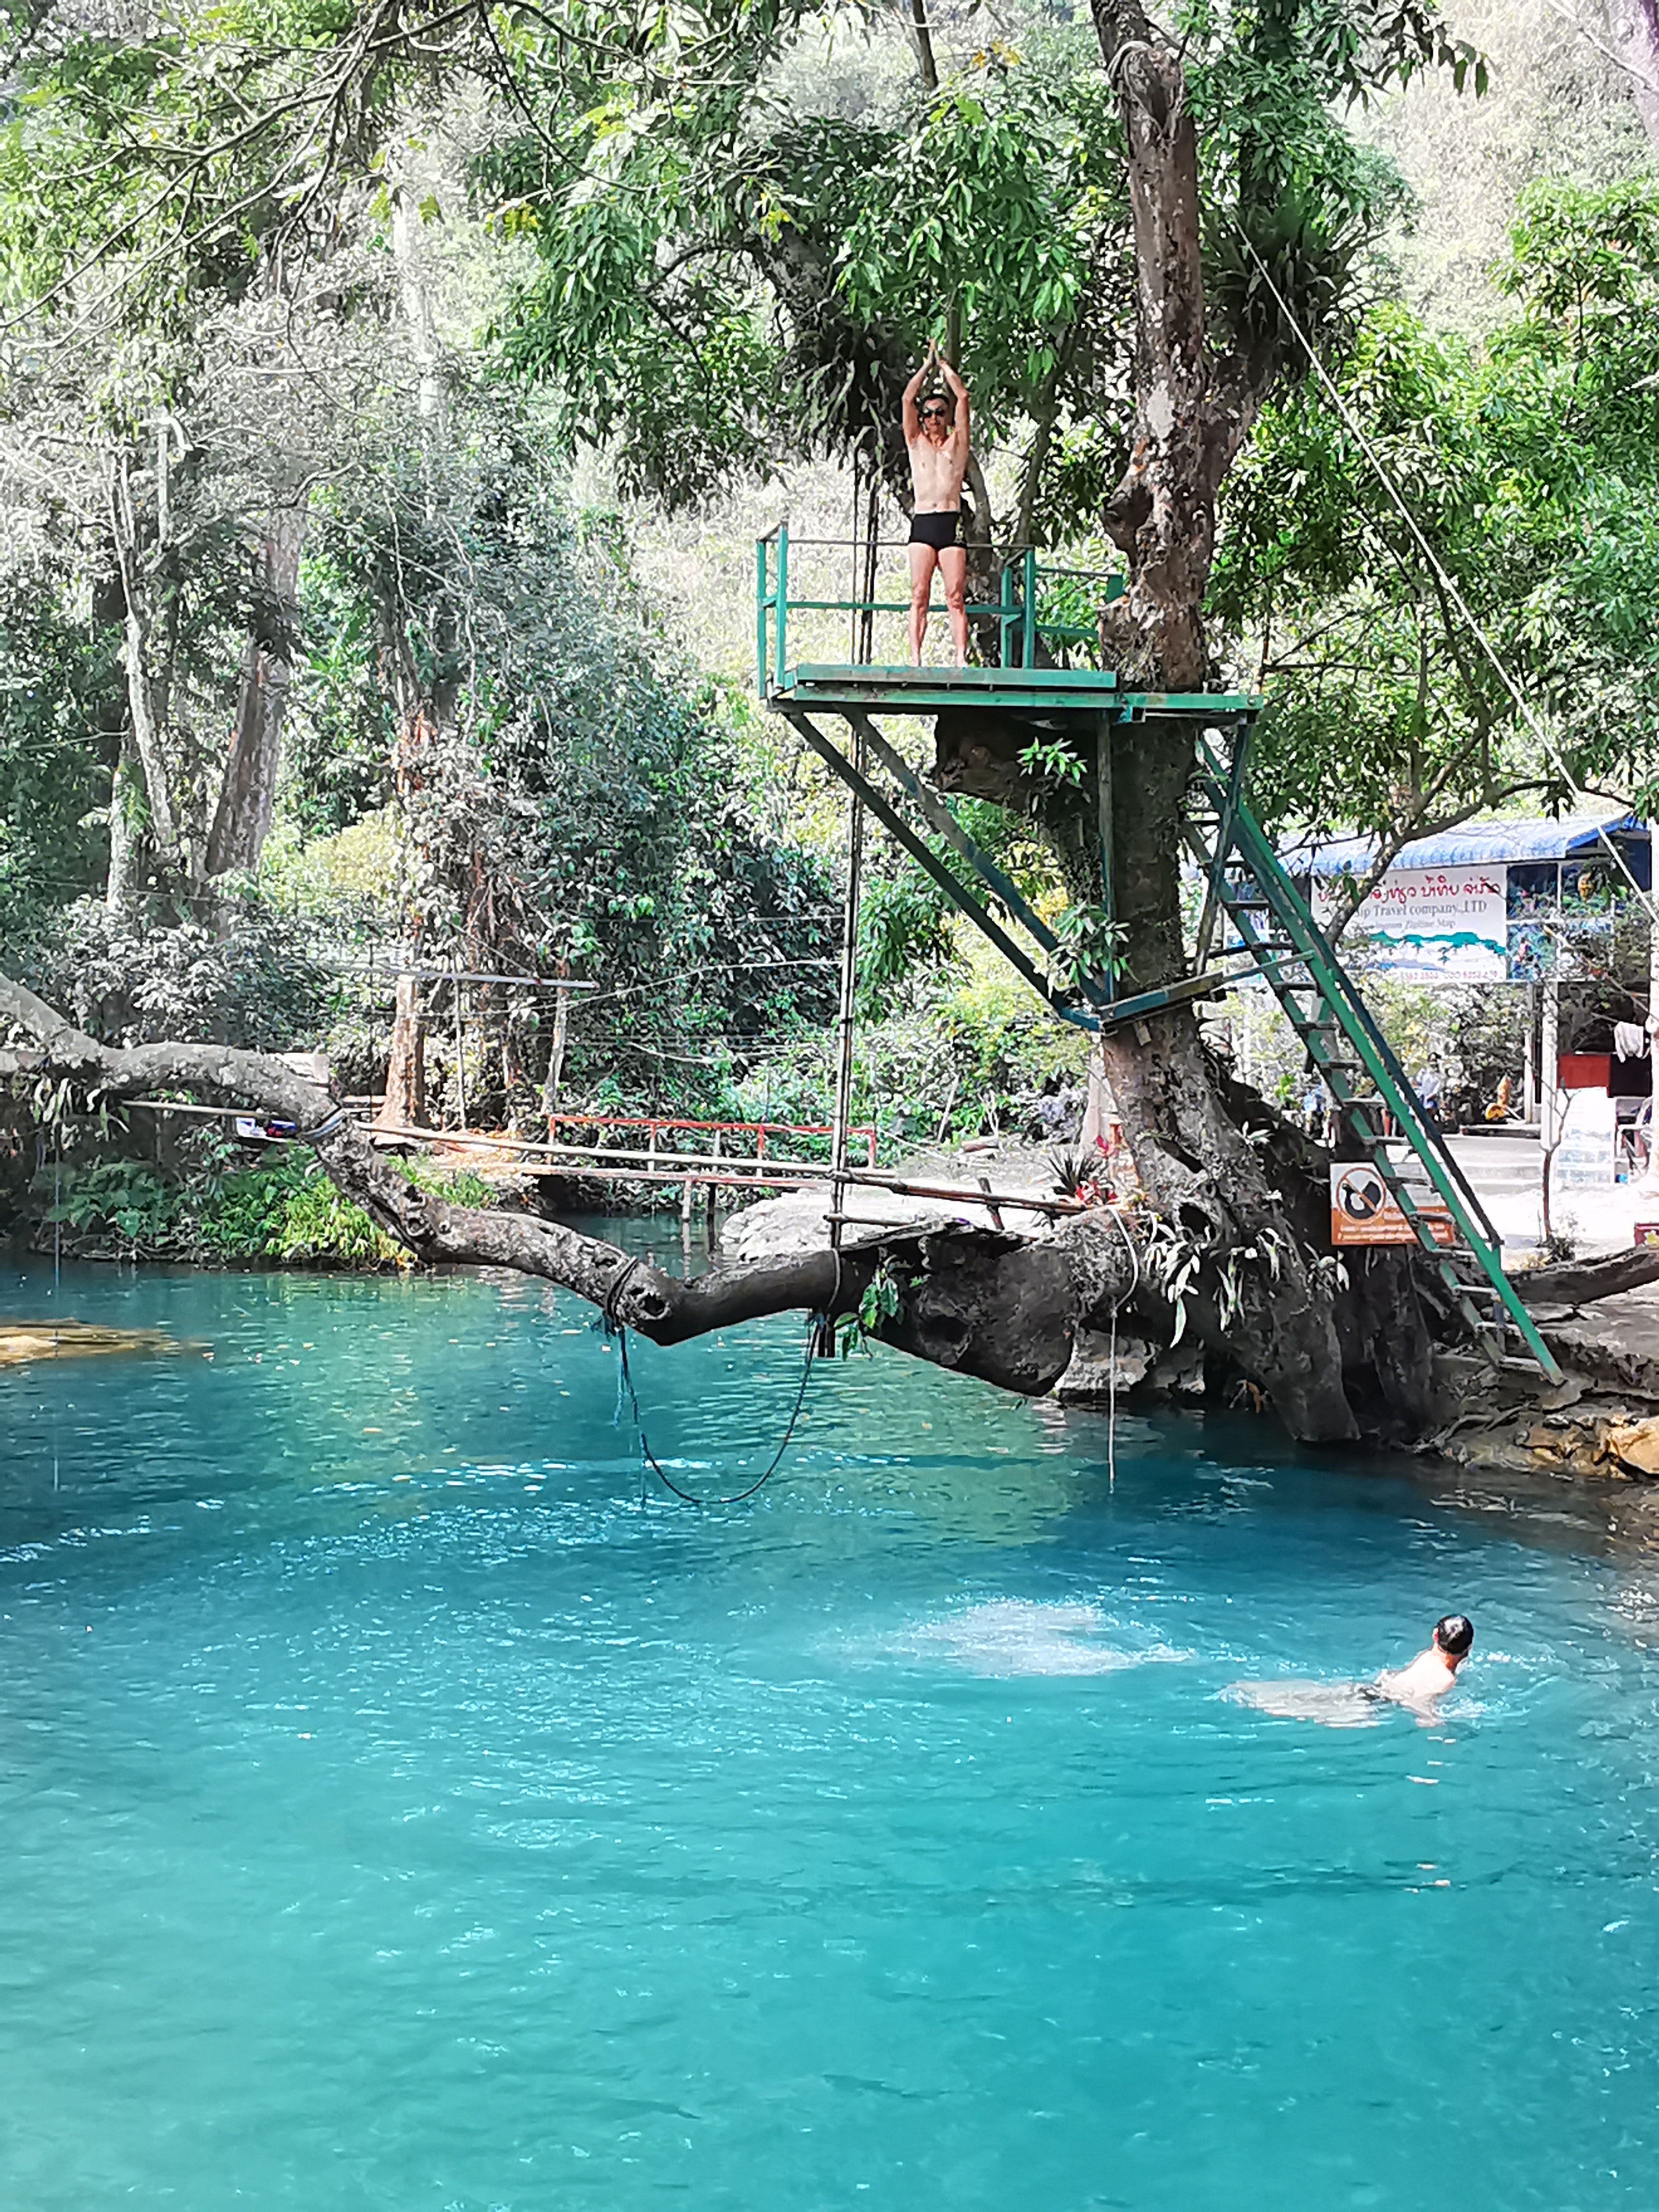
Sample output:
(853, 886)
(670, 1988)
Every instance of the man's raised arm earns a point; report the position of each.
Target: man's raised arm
(959, 393)
(912, 421)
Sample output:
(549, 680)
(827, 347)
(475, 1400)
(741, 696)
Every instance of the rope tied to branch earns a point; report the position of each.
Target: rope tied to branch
(619, 1283)
(331, 1124)
(627, 1396)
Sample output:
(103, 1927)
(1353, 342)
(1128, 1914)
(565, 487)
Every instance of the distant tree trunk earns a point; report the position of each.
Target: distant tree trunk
(425, 709)
(921, 38)
(404, 1104)
(561, 1033)
(1634, 25)
(146, 643)
(126, 877)
(247, 796)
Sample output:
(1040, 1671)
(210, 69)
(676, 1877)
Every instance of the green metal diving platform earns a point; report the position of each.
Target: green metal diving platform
(1045, 614)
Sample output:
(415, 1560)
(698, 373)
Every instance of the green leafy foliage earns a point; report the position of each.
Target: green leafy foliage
(254, 981)
(1089, 942)
(1531, 464)
(568, 795)
(61, 707)
(283, 1208)
(877, 1306)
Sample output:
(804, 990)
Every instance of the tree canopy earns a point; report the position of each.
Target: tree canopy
(1529, 462)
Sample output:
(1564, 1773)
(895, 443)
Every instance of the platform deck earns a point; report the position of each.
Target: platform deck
(1026, 691)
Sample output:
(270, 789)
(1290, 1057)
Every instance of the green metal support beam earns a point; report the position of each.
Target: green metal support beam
(939, 818)
(931, 865)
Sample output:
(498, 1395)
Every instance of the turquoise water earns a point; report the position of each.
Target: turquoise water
(395, 1814)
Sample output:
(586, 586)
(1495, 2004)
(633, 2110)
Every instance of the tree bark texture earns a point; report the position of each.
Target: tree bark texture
(145, 651)
(1634, 25)
(554, 1076)
(404, 1103)
(126, 877)
(242, 820)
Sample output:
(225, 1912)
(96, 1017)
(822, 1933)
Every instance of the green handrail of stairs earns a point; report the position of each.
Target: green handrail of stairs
(1342, 1041)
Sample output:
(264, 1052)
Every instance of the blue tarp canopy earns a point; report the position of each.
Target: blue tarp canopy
(1564, 837)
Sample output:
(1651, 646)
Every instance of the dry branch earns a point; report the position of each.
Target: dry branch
(1581, 1282)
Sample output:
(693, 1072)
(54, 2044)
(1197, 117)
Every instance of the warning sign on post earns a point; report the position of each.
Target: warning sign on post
(1363, 1212)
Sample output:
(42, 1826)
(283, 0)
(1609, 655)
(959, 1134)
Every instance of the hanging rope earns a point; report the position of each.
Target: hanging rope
(626, 1394)
(1118, 1304)
(867, 621)
(648, 1458)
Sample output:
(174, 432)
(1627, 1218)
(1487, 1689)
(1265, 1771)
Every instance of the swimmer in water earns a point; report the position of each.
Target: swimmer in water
(1353, 1704)
(1432, 1672)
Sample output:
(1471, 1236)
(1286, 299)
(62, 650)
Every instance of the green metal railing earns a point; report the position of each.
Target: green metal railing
(1042, 606)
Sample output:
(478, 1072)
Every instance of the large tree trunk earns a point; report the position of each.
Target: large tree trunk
(1234, 1243)
(405, 1103)
(247, 797)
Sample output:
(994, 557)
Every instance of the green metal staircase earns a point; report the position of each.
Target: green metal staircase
(1247, 884)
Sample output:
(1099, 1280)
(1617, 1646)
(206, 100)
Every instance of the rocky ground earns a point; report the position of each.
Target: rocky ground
(798, 1220)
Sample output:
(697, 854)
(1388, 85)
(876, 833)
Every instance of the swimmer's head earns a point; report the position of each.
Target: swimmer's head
(1453, 1636)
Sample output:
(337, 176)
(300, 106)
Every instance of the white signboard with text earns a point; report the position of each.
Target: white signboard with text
(1435, 922)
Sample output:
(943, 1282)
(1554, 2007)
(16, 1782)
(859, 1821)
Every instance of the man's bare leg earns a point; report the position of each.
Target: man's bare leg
(923, 560)
(953, 574)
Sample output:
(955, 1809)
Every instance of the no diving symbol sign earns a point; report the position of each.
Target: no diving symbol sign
(1360, 1193)
(1363, 1212)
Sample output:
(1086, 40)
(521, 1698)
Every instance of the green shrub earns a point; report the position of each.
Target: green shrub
(281, 1208)
(459, 1185)
(284, 1208)
(123, 1200)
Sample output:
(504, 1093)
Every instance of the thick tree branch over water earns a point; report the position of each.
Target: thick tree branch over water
(991, 1304)
(1007, 1308)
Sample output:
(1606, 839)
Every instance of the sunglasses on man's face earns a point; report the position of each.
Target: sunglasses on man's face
(936, 414)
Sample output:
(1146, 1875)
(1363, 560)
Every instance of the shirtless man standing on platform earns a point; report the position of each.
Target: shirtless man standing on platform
(936, 433)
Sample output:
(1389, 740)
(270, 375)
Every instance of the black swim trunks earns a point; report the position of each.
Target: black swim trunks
(938, 530)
